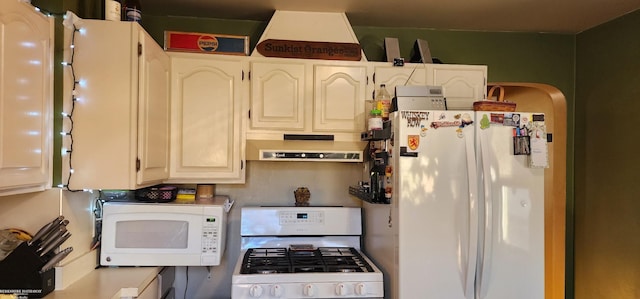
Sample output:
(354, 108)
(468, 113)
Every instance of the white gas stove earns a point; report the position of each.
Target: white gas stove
(303, 252)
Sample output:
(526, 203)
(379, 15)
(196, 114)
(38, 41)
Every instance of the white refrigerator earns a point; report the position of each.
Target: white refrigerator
(466, 215)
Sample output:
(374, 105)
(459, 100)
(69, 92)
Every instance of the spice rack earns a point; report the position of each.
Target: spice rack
(373, 190)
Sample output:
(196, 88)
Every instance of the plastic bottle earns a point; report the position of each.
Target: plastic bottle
(131, 11)
(383, 101)
(375, 122)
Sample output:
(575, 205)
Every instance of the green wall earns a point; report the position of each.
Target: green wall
(607, 205)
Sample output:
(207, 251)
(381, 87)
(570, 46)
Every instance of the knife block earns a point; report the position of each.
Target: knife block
(20, 273)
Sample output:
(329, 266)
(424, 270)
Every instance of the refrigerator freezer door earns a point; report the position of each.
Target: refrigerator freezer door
(512, 213)
(435, 192)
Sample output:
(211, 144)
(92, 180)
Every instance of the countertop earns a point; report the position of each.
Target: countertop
(108, 282)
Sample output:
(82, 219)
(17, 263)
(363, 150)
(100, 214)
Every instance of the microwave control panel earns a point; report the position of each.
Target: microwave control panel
(210, 234)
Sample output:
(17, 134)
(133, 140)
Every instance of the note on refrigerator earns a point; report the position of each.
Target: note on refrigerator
(539, 157)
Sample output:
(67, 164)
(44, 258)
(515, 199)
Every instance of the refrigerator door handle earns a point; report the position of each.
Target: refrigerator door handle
(484, 267)
(472, 177)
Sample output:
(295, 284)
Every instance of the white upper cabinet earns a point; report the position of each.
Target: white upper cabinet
(461, 84)
(153, 121)
(207, 139)
(339, 98)
(278, 92)
(392, 76)
(121, 115)
(26, 98)
(145, 117)
(301, 96)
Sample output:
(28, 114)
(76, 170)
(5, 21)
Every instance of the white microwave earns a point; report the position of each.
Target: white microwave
(164, 234)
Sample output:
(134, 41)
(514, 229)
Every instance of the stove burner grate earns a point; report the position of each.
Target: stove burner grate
(322, 259)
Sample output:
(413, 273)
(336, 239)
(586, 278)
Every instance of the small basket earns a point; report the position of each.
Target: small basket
(499, 105)
(157, 194)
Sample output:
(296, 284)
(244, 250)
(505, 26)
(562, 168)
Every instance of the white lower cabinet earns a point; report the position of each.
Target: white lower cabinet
(26, 98)
(207, 139)
(151, 291)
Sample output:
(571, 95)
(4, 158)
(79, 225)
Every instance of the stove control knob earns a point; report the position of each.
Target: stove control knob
(276, 291)
(308, 290)
(255, 291)
(341, 289)
(361, 289)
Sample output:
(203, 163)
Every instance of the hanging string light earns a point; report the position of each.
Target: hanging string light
(69, 115)
(46, 12)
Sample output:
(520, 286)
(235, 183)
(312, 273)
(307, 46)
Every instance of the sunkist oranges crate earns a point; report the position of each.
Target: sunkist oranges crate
(498, 105)
(206, 43)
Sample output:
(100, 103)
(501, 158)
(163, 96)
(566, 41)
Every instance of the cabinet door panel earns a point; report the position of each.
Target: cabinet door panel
(26, 99)
(392, 76)
(153, 128)
(206, 98)
(120, 122)
(461, 84)
(277, 95)
(200, 124)
(105, 116)
(339, 98)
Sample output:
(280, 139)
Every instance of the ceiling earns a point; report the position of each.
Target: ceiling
(554, 16)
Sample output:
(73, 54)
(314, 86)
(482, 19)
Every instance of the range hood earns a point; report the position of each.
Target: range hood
(308, 146)
(305, 150)
(309, 26)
